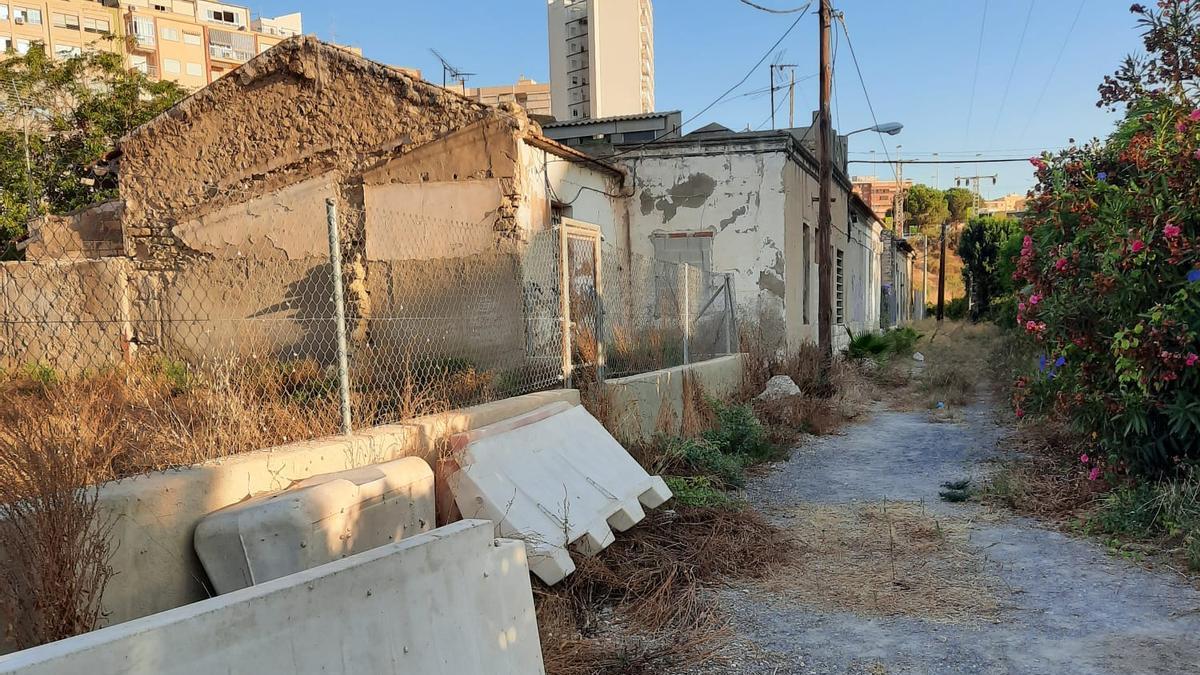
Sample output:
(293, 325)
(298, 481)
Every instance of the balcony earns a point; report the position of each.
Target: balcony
(228, 46)
(148, 69)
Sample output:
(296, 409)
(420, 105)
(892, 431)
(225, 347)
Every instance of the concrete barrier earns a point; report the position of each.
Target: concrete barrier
(316, 521)
(648, 402)
(155, 515)
(557, 482)
(450, 601)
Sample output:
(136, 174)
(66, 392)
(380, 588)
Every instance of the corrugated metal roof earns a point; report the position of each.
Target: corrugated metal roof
(616, 118)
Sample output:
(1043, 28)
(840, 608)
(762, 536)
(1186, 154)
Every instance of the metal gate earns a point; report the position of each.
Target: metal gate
(581, 289)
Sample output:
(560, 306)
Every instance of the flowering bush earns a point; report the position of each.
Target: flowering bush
(1110, 267)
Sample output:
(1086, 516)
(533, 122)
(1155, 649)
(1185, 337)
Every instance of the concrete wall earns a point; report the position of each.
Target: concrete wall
(454, 600)
(68, 314)
(649, 402)
(91, 232)
(154, 515)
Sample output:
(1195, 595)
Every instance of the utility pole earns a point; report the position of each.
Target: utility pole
(771, 71)
(898, 217)
(941, 312)
(973, 182)
(924, 274)
(792, 101)
(824, 210)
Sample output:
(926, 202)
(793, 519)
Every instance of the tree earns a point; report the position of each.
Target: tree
(926, 207)
(1171, 66)
(980, 246)
(960, 201)
(67, 114)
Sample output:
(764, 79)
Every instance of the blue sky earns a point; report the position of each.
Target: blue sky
(918, 58)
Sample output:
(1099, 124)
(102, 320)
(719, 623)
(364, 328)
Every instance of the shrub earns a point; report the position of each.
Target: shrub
(981, 246)
(697, 491)
(738, 432)
(702, 458)
(956, 309)
(895, 341)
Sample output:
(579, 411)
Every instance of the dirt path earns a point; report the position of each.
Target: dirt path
(1036, 601)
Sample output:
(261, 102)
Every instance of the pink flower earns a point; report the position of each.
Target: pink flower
(1171, 230)
(1181, 127)
(1196, 154)
(1094, 473)
(1083, 458)
(1138, 245)
(1192, 359)
(1195, 115)
(1060, 264)
(1020, 412)
(1028, 242)
(1035, 299)
(1037, 162)
(1030, 326)
(1021, 306)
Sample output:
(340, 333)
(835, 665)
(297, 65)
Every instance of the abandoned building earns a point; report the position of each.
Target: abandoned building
(437, 198)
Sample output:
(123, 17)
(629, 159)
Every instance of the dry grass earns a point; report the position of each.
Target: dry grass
(54, 542)
(1046, 481)
(885, 559)
(639, 605)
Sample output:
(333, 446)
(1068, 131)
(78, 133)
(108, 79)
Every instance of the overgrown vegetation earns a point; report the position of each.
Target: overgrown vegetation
(980, 246)
(895, 342)
(75, 109)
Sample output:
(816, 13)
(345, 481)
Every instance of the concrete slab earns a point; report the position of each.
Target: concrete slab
(450, 601)
(559, 482)
(316, 521)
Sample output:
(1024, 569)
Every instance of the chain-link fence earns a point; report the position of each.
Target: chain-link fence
(247, 328)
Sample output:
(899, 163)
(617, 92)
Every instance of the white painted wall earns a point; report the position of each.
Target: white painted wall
(739, 198)
(454, 600)
(588, 191)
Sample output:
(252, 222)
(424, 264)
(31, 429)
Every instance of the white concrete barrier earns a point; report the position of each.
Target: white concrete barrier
(316, 521)
(557, 482)
(453, 601)
(155, 515)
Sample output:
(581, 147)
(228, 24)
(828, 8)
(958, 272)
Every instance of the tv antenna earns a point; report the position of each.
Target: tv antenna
(449, 72)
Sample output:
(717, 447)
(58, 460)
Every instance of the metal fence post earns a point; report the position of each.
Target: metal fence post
(685, 310)
(339, 305)
(730, 335)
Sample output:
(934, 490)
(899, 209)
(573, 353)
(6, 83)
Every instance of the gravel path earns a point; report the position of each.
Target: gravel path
(1066, 606)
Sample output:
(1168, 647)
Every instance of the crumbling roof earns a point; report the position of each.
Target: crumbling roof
(283, 56)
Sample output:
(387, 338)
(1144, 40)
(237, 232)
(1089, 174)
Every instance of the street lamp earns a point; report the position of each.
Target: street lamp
(889, 128)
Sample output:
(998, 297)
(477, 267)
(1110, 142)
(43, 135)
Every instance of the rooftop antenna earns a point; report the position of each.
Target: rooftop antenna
(452, 73)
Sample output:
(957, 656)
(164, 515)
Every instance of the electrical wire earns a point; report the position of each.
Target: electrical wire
(870, 107)
(776, 11)
(998, 160)
(715, 101)
(975, 77)
(1011, 71)
(1050, 76)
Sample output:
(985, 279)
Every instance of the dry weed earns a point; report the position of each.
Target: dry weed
(885, 559)
(649, 584)
(53, 540)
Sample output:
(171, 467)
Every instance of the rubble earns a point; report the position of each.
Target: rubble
(780, 386)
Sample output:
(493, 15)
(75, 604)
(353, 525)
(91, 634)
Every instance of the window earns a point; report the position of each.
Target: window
(143, 30)
(22, 46)
(66, 51)
(195, 70)
(160, 8)
(191, 38)
(222, 16)
(26, 15)
(169, 34)
(840, 307)
(95, 25)
(64, 21)
(4, 13)
(6, 45)
(171, 66)
(804, 273)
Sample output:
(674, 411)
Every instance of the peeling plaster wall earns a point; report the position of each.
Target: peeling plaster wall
(739, 198)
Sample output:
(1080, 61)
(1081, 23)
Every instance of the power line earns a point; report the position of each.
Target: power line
(863, 82)
(942, 161)
(975, 77)
(776, 11)
(1049, 77)
(1011, 71)
(717, 100)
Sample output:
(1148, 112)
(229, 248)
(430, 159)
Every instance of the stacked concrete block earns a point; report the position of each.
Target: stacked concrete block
(316, 521)
(556, 482)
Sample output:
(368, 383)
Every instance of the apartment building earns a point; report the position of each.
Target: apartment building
(65, 27)
(533, 96)
(878, 193)
(601, 58)
(192, 42)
